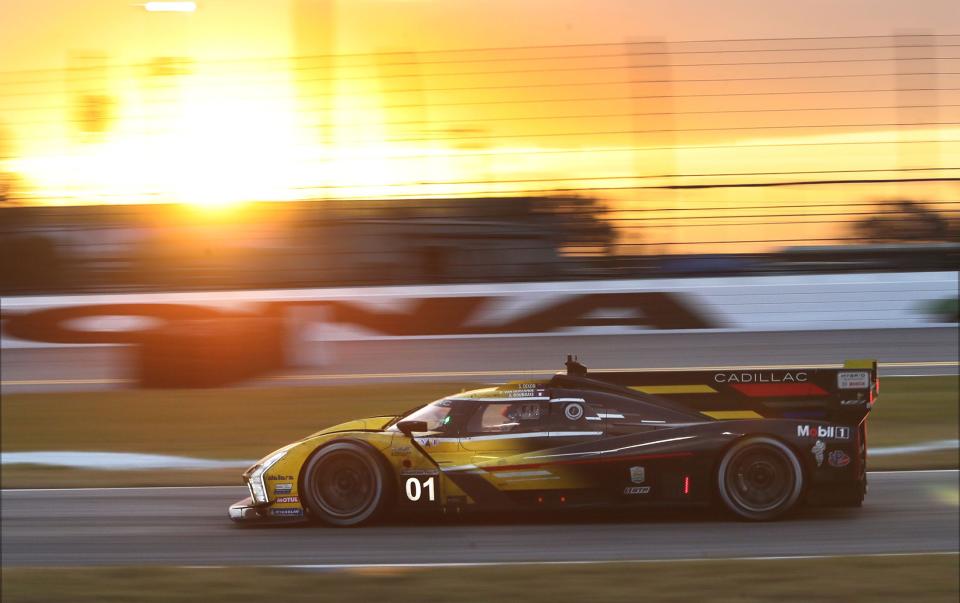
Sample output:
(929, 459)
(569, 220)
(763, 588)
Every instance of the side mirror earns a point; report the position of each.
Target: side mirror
(408, 427)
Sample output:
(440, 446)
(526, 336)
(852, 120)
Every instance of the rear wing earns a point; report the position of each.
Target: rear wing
(843, 395)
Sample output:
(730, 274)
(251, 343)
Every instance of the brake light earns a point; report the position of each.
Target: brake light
(686, 484)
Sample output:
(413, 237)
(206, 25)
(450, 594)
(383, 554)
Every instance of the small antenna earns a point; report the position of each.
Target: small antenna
(574, 368)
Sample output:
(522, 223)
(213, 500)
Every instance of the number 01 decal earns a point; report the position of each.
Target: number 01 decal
(417, 487)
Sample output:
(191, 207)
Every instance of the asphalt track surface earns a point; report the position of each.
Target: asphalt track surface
(913, 351)
(905, 512)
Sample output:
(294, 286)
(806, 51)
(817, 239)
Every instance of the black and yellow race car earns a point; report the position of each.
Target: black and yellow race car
(759, 442)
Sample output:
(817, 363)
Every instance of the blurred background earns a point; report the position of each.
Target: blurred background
(270, 165)
(221, 144)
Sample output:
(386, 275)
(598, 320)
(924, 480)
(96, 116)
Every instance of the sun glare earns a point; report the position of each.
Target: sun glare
(171, 7)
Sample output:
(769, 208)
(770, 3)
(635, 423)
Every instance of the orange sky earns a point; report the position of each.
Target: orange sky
(241, 120)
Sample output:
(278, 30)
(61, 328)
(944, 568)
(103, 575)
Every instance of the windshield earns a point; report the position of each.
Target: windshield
(436, 415)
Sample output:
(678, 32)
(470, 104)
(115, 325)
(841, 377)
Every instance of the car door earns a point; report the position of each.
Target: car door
(500, 429)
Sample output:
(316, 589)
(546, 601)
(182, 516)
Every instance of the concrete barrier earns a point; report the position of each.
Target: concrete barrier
(210, 338)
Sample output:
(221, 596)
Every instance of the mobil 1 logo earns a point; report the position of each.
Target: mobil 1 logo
(823, 432)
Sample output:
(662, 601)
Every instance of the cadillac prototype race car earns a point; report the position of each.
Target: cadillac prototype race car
(759, 442)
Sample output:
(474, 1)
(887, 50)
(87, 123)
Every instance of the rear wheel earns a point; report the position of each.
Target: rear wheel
(760, 479)
(346, 484)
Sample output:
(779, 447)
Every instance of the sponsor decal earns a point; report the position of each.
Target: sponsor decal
(415, 472)
(853, 379)
(633, 490)
(279, 478)
(573, 411)
(826, 432)
(288, 499)
(852, 402)
(637, 475)
(287, 512)
(282, 488)
(527, 389)
(838, 458)
(401, 451)
(800, 377)
(817, 451)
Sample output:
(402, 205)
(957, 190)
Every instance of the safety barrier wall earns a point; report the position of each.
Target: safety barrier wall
(238, 333)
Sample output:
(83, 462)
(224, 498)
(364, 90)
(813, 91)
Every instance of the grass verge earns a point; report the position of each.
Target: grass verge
(897, 578)
(247, 423)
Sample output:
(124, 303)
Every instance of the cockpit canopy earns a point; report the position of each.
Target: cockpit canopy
(533, 407)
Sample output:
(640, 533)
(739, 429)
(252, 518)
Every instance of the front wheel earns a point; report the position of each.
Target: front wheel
(760, 479)
(345, 484)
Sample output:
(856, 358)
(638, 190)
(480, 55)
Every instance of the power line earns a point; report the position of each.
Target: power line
(646, 97)
(431, 104)
(761, 207)
(525, 48)
(428, 122)
(685, 219)
(473, 194)
(628, 177)
(655, 113)
(381, 65)
(233, 81)
(668, 130)
(425, 76)
(228, 81)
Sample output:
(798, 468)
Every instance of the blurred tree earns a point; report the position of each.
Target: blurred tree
(579, 224)
(8, 179)
(93, 113)
(908, 220)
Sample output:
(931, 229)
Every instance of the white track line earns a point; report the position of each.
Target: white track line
(237, 487)
(935, 446)
(128, 488)
(350, 566)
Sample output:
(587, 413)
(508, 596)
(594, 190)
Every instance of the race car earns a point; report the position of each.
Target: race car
(760, 442)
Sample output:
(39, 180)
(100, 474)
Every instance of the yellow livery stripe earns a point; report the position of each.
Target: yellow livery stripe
(860, 363)
(675, 389)
(731, 414)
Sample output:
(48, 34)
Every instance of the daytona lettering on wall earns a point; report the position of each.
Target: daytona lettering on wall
(464, 315)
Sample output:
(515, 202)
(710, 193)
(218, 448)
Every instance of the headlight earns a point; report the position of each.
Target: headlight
(258, 490)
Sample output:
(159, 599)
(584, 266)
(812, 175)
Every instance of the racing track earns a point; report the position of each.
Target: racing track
(906, 512)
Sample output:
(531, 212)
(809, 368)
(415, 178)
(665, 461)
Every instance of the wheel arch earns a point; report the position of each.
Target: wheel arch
(390, 484)
(806, 468)
(804, 460)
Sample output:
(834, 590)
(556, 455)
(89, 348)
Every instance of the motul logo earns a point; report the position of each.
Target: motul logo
(823, 432)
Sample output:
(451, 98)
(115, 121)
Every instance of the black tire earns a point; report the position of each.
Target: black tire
(759, 479)
(346, 483)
